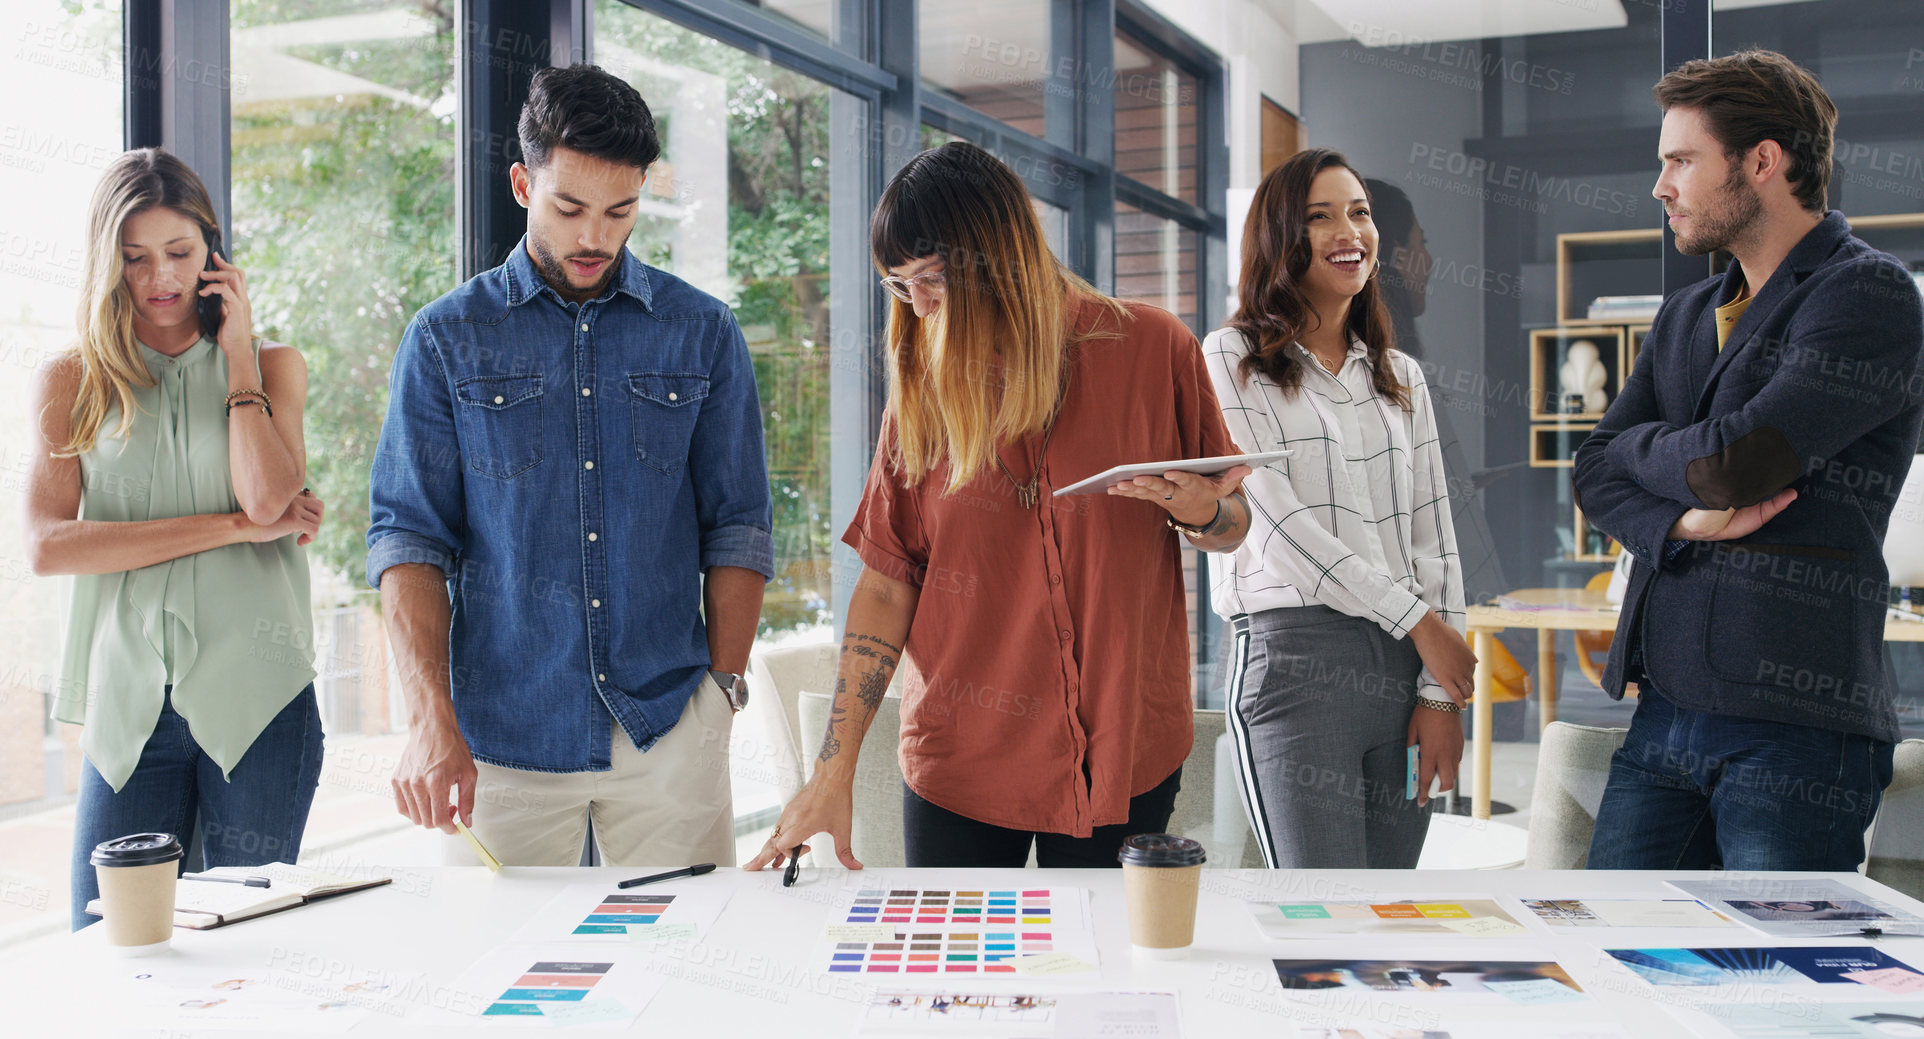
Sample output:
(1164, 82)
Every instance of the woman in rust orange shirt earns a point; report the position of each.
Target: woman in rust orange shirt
(1048, 693)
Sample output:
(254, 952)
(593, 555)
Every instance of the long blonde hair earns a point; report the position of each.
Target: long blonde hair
(1007, 295)
(110, 363)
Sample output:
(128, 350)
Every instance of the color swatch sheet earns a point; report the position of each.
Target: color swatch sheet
(1857, 965)
(598, 911)
(1470, 918)
(956, 931)
(1007, 1015)
(1624, 912)
(547, 985)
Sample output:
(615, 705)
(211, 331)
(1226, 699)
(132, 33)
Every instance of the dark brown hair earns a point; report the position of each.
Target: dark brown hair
(1755, 96)
(589, 110)
(1271, 309)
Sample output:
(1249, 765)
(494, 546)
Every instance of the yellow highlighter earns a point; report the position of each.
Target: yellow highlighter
(493, 864)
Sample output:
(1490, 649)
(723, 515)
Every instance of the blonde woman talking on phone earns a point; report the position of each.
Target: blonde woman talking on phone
(168, 486)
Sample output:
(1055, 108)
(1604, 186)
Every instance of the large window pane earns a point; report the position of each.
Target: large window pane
(1156, 105)
(1512, 175)
(343, 173)
(1869, 54)
(1156, 262)
(64, 74)
(343, 170)
(992, 56)
(738, 206)
(817, 16)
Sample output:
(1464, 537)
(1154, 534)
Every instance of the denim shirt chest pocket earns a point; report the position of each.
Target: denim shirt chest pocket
(665, 406)
(499, 420)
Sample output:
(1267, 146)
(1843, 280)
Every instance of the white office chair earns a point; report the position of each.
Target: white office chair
(876, 832)
(1573, 763)
(1896, 841)
(776, 678)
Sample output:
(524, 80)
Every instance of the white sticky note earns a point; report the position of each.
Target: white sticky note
(1535, 991)
(860, 932)
(661, 932)
(587, 1012)
(1660, 913)
(1484, 927)
(1050, 963)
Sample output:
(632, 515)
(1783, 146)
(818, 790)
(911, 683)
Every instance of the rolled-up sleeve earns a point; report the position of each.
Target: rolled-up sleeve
(416, 498)
(728, 463)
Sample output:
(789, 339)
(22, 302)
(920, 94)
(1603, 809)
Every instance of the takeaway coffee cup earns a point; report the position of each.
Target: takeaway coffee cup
(137, 877)
(1160, 875)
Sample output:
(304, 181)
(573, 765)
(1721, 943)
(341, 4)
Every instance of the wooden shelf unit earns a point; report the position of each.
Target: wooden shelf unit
(1549, 347)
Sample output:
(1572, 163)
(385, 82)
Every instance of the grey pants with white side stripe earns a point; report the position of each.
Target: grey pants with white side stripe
(1318, 709)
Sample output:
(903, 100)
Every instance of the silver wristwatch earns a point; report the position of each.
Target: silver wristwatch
(735, 687)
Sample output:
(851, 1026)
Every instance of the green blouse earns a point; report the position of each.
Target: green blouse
(229, 628)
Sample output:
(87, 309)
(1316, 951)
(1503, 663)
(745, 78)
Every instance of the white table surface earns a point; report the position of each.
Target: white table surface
(754, 973)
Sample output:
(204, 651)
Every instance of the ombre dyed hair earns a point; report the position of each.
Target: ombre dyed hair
(1009, 301)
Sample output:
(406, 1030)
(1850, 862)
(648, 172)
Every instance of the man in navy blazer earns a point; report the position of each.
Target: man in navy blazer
(1750, 466)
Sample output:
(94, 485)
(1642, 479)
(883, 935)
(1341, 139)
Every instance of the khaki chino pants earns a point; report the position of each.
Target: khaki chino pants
(669, 807)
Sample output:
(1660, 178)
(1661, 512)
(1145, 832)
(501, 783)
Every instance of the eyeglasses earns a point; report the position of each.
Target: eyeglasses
(899, 287)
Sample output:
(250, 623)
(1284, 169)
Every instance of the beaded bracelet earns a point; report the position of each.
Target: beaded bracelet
(250, 398)
(266, 402)
(1446, 706)
(262, 394)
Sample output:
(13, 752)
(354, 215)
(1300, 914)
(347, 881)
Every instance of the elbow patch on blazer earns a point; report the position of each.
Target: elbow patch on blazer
(1749, 469)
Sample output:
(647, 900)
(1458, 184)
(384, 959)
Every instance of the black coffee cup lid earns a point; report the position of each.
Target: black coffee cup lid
(140, 849)
(1160, 849)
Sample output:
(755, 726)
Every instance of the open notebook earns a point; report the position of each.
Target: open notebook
(201, 904)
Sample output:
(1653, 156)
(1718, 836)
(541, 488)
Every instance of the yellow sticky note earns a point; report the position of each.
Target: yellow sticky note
(1484, 927)
(493, 864)
(1050, 963)
(1443, 911)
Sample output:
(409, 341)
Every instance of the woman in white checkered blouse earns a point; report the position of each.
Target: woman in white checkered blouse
(1350, 668)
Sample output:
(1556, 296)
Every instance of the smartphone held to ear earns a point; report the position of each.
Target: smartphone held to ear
(210, 305)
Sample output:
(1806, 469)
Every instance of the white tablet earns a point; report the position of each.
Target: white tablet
(1200, 466)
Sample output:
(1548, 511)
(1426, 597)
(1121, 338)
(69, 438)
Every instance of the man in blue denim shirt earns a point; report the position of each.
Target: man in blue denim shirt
(573, 440)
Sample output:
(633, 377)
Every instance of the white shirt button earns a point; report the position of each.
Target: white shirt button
(498, 400)
(584, 328)
(586, 392)
(596, 603)
(601, 678)
(592, 536)
(671, 397)
(587, 465)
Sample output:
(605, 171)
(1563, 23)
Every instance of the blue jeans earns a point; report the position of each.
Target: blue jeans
(1694, 790)
(253, 817)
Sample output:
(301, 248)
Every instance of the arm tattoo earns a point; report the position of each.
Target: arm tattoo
(830, 745)
(878, 659)
(1235, 515)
